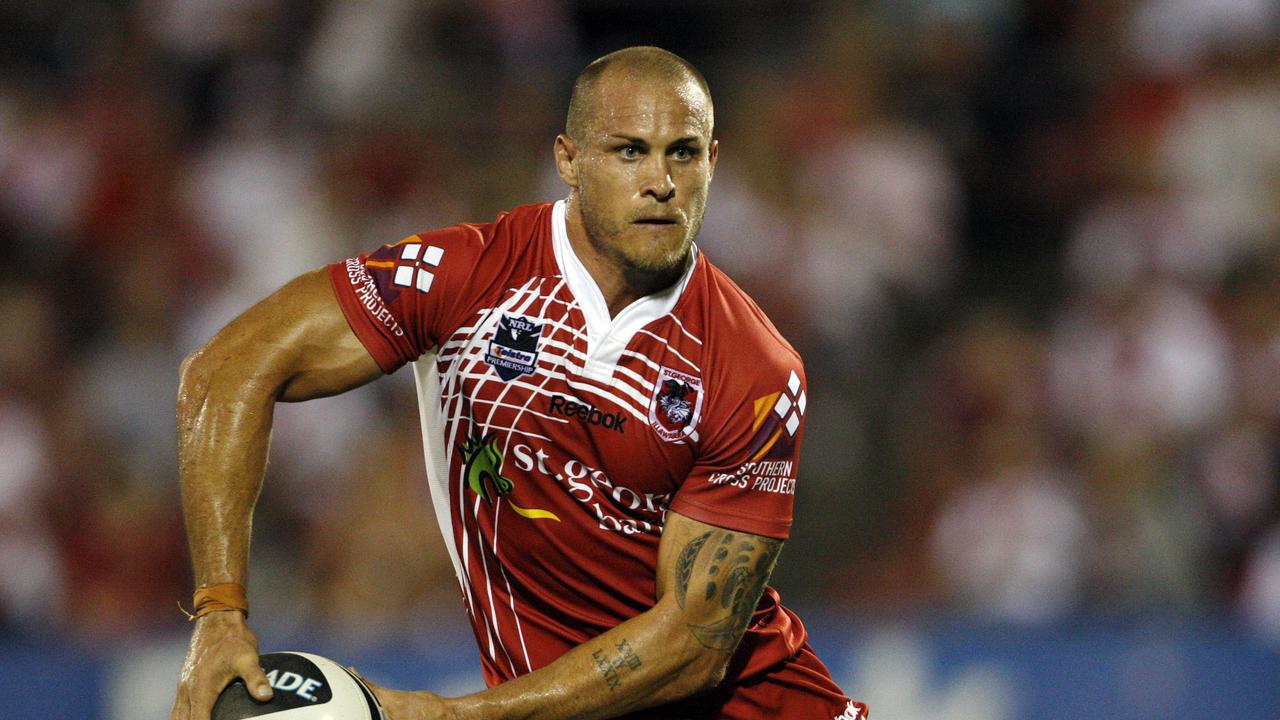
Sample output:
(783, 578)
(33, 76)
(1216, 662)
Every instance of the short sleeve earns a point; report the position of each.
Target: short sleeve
(745, 475)
(400, 299)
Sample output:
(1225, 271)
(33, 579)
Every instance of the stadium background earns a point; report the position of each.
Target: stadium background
(1030, 251)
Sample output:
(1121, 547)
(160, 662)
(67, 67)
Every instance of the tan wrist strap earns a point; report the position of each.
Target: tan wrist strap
(218, 598)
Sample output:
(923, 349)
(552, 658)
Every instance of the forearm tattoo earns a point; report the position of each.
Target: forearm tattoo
(735, 577)
(614, 668)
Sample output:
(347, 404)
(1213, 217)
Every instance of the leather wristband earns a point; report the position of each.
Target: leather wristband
(219, 598)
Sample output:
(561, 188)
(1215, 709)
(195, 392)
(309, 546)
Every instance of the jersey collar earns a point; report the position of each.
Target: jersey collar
(608, 337)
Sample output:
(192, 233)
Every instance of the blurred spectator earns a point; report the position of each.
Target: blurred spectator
(375, 559)
(1150, 363)
(1260, 599)
(1008, 535)
(876, 198)
(32, 573)
(1221, 147)
(1030, 251)
(1011, 545)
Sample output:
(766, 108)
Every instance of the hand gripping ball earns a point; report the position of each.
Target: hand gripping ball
(307, 687)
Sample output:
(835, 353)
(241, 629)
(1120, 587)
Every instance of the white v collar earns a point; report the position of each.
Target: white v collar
(608, 337)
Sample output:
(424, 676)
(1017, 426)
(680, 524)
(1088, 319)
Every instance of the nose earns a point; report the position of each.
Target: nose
(658, 182)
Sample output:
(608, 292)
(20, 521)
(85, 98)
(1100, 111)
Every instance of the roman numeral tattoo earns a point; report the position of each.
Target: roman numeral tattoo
(612, 669)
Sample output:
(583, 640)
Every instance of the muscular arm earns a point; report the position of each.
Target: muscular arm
(293, 345)
(709, 581)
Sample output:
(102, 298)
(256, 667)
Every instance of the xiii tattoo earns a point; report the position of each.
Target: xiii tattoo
(614, 668)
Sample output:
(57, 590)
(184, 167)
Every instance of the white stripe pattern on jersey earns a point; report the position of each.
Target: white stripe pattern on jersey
(453, 410)
(641, 385)
(691, 365)
(462, 357)
(625, 380)
(517, 308)
(561, 367)
(497, 516)
(684, 330)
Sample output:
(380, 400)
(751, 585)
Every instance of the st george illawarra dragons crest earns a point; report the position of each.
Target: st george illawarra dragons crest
(676, 404)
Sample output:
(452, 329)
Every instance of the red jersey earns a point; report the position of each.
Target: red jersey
(557, 437)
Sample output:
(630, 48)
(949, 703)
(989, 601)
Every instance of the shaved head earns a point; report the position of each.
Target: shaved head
(642, 63)
(638, 156)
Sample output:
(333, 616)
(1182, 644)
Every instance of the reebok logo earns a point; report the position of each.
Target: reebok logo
(589, 414)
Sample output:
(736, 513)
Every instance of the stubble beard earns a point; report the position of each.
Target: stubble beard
(651, 271)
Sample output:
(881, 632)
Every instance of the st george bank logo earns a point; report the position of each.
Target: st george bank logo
(482, 469)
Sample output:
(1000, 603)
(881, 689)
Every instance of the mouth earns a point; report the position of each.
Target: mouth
(655, 221)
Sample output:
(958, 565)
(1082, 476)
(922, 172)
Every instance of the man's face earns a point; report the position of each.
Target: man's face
(642, 169)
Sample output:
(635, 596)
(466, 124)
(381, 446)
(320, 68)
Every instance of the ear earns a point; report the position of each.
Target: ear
(712, 154)
(566, 151)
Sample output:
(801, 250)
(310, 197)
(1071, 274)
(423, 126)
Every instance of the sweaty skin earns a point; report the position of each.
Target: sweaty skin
(638, 176)
(677, 648)
(294, 345)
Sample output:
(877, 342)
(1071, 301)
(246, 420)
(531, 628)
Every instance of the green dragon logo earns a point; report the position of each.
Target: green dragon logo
(483, 471)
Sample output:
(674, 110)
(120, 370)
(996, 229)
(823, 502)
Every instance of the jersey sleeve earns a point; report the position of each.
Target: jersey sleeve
(401, 299)
(745, 476)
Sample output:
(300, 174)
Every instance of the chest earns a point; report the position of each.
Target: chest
(618, 412)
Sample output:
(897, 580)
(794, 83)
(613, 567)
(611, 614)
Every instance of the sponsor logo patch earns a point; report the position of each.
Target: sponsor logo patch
(676, 404)
(770, 476)
(777, 420)
(587, 414)
(513, 351)
(770, 466)
(366, 291)
(482, 469)
(410, 263)
(616, 507)
(292, 682)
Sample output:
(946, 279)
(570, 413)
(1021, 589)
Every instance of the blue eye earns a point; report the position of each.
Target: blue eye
(683, 153)
(630, 152)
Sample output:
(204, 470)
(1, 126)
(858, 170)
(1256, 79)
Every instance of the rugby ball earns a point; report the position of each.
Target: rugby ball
(307, 687)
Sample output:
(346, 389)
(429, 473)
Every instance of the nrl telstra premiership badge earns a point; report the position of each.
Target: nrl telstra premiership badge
(676, 404)
(513, 351)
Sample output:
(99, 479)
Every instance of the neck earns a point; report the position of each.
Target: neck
(620, 282)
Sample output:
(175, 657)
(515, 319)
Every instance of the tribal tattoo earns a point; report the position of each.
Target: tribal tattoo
(684, 565)
(739, 568)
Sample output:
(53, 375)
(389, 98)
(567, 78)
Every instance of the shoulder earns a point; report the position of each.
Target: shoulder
(746, 362)
(756, 389)
(734, 323)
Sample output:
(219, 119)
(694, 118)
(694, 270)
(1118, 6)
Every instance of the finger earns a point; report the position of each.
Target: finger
(255, 680)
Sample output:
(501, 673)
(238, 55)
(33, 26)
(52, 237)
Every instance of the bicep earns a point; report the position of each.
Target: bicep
(715, 576)
(331, 359)
(297, 341)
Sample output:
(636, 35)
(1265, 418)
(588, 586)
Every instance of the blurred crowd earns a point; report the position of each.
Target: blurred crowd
(1029, 250)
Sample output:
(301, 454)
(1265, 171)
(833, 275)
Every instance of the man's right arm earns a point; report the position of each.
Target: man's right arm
(294, 345)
